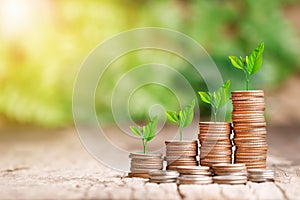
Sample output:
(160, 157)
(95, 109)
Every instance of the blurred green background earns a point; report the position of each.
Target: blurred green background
(43, 43)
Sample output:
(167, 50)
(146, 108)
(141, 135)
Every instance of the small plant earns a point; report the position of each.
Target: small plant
(251, 64)
(182, 118)
(216, 99)
(147, 132)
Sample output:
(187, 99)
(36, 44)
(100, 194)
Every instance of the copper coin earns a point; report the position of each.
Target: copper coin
(182, 153)
(181, 143)
(183, 164)
(139, 175)
(145, 156)
(215, 124)
(248, 92)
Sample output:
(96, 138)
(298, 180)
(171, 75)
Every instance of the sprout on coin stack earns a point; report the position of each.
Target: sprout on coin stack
(248, 115)
(142, 163)
(230, 173)
(214, 136)
(181, 153)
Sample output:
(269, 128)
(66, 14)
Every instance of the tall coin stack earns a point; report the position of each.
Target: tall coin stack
(249, 128)
(142, 164)
(181, 153)
(215, 143)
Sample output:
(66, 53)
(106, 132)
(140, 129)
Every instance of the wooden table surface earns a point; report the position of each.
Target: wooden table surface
(43, 164)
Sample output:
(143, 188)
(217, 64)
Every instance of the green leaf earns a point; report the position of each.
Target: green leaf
(205, 97)
(153, 126)
(211, 95)
(254, 61)
(150, 138)
(249, 64)
(136, 131)
(217, 98)
(150, 129)
(172, 116)
(144, 131)
(224, 93)
(236, 62)
(187, 114)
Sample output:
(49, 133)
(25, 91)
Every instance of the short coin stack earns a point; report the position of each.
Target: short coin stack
(194, 180)
(230, 173)
(160, 176)
(260, 175)
(142, 164)
(181, 153)
(249, 128)
(194, 171)
(215, 143)
(194, 175)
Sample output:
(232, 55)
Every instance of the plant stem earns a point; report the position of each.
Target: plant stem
(247, 80)
(215, 113)
(144, 145)
(215, 116)
(180, 130)
(247, 83)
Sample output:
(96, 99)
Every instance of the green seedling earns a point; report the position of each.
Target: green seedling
(182, 118)
(250, 64)
(147, 133)
(216, 99)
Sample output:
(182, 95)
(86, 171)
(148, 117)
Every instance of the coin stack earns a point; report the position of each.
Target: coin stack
(194, 180)
(230, 173)
(194, 175)
(142, 164)
(160, 176)
(194, 171)
(249, 128)
(260, 175)
(181, 153)
(215, 143)
(230, 179)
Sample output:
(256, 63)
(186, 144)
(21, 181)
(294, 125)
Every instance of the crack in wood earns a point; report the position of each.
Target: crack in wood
(282, 191)
(180, 194)
(14, 169)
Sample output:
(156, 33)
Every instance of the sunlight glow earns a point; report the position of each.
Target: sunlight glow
(15, 16)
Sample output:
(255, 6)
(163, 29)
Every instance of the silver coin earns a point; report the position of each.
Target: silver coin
(164, 173)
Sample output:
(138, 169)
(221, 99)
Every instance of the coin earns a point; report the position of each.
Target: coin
(142, 155)
(249, 128)
(215, 142)
(139, 175)
(181, 143)
(248, 93)
(194, 170)
(164, 173)
(260, 175)
(181, 148)
(181, 153)
(142, 164)
(230, 170)
(160, 176)
(180, 158)
(188, 179)
(163, 181)
(230, 179)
